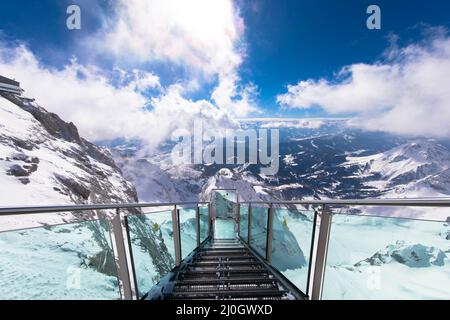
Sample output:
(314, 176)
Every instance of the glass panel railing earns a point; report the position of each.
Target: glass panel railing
(188, 231)
(204, 222)
(225, 229)
(70, 261)
(243, 221)
(152, 247)
(291, 244)
(387, 258)
(258, 229)
(224, 203)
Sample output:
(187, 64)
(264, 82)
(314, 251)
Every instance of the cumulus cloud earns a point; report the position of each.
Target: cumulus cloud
(406, 94)
(201, 35)
(204, 37)
(102, 110)
(238, 101)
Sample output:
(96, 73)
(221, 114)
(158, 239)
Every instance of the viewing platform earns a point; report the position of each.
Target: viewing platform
(227, 249)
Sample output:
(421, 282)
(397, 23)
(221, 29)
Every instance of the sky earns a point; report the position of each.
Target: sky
(155, 65)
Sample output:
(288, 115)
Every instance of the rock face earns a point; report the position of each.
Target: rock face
(48, 155)
(150, 240)
(45, 161)
(411, 255)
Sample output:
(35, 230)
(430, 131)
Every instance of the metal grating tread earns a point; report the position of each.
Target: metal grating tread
(225, 270)
(218, 294)
(212, 281)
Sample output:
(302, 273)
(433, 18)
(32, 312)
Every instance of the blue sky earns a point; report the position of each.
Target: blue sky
(276, 44)
(296, 40)
(287, 40)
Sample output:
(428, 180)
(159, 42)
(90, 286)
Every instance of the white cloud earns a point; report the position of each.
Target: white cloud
(237, 101)
(101, 110)
(299, 123)
(201, 35)
(204, 37)
(143, 81)
(408, 94)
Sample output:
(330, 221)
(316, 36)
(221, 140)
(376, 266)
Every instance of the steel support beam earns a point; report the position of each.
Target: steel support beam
(321, 253)
(123, 271)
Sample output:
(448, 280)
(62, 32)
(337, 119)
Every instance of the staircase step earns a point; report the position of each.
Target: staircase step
(227, 280)
(219, 294)
(225, 269)
(222, 275)
(222, 264)
(240, 257)
(182, 287)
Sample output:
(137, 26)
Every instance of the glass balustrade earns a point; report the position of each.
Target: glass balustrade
(225, 209)
(224, 203)
(243, 221)
(291, 244)
(204, 222)
(70, 261)
(368, 257)
(258, 229)
(387, 258)
(152, 247)
(188, 230)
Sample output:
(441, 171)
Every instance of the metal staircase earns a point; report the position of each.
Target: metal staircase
(224, 269)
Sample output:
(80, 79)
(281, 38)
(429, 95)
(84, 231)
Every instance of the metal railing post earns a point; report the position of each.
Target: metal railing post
(269, 234)
(123, 271)
(321, 253)
(210, 228)
(249, 233)
(311, 253)
(239, 219)
(197, 226)
(176, 236)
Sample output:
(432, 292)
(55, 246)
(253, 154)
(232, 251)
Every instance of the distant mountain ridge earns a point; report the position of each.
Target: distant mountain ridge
(332, 161)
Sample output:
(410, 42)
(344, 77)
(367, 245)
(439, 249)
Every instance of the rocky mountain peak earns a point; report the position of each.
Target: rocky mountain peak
(44, 160)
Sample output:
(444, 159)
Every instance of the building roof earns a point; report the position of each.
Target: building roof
(9, 81)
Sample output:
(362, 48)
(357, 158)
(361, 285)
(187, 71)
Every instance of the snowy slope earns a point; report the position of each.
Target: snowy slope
(390, 259)
(44, 161)
(157, 181)
(406, 169)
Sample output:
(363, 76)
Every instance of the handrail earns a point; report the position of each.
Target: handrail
(63, 208)
(411, 202)
(119, 231)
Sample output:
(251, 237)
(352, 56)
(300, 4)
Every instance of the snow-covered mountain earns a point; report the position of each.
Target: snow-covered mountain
(416, 168)
(44, 161)
(327, 162)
